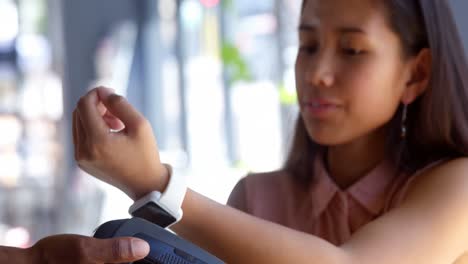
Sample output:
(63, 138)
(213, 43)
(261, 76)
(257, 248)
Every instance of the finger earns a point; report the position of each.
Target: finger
(113, 122)
(81, 131)
(123, 110)
(118, 250)
(81, 136)
(101, 109)
(92, 121)
(104, 92)
(76, 135)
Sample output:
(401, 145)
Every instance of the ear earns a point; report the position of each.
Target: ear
(419, 76)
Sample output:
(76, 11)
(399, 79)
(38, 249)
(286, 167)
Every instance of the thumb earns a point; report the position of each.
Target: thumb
(119, 107)
(119, 250)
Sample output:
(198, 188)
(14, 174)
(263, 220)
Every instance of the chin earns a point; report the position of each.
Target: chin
(327, 141)
(327, 138)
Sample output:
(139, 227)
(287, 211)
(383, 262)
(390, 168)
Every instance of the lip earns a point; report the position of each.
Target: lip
(320, 108)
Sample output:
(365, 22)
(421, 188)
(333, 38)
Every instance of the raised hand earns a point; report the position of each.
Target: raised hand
(129, 158)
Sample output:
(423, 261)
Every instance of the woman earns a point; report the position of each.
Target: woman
(377, 171)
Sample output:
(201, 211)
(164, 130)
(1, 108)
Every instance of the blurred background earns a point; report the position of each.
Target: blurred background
(214, 77)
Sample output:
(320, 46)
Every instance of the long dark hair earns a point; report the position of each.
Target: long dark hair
(438, 120)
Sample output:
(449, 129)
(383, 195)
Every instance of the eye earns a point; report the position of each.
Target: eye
(308, 49)
(353, 52)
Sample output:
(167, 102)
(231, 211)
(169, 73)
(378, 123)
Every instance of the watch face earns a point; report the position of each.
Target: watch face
(155, 214)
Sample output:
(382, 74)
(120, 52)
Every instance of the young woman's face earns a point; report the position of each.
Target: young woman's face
(350, 72)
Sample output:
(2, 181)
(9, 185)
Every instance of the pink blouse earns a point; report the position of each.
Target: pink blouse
(324, 210)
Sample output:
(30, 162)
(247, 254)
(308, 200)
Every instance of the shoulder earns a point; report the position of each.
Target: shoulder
(433, 217)
(444, 186)
(266, 178)
(458, 168)
(448, 176)
(256, 186)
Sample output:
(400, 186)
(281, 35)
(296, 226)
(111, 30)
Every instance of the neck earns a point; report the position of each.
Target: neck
(347, 163)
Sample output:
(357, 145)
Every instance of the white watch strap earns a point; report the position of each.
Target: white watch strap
(170, 200)
(174, 194)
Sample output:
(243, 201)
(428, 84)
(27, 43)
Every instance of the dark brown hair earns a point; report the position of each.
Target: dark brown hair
(438, 120)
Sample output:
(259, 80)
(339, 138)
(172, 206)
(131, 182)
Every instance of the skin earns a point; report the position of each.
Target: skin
(366, 91)
(350, 58)
(75, 249)
(433, 218)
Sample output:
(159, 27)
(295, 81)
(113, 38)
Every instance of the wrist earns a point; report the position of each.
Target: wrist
(165, 175)
(158, 181)
(163, 206)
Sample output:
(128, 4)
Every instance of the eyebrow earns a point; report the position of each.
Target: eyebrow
(356, 30)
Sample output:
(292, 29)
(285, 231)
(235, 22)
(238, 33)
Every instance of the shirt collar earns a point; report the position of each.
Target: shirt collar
(370, 191)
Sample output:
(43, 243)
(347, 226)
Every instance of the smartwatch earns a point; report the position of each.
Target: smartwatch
(163, 209)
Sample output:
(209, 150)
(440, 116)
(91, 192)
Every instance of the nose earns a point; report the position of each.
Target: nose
(320, 71)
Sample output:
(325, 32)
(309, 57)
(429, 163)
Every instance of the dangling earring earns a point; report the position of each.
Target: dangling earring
(403, 122)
